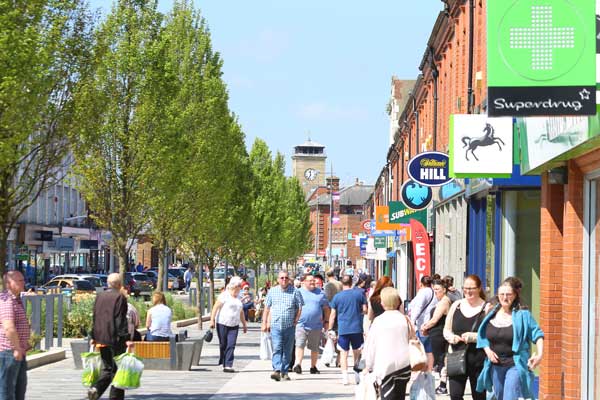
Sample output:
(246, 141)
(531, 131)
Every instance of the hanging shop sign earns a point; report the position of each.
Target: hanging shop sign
(480, 146)
(430, 168)
(555, 138)
(380, 242)
(415, 196)
(382, 219)
(450, 189)
(541, 57)
(400, 214)
(421, 253)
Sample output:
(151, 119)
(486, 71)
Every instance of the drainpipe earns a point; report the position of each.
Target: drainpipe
(435, 74)
(471, 48)
(409, 139)
(416, 114)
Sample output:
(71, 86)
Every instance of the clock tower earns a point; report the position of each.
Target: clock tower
(308, 165)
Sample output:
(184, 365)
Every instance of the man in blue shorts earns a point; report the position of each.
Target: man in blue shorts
(349, 306)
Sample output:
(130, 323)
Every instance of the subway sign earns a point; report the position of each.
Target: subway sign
(430, 168)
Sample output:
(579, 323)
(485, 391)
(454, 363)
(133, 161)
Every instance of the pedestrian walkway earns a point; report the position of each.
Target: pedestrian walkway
(206, 381)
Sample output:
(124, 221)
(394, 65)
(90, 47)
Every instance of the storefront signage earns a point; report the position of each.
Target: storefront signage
(421, 253)
(382, 219)
(45, 236)
(541, 57)
(449, 190)
(545, 139)
(400, 214)
(88, 244)
(415, 196)
(380, 242)
(477, 185)
(480, 146)
(366, 225)
(430, 168)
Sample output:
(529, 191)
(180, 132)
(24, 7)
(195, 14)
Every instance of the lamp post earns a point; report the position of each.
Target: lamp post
(330, 189)
(317, 235)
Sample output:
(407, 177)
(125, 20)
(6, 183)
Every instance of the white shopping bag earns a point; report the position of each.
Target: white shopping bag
(328, 352)
(365, 390)
(423, 387)
(266, 348)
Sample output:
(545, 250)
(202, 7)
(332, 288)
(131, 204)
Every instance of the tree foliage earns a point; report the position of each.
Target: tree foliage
(44, 45)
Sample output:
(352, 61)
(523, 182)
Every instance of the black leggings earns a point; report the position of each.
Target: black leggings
(439, 347)
(459, 382)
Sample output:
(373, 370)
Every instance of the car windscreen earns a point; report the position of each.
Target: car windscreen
(141, 277)
(219, 274)
(94, 281)
(176, 272)
(83, 285)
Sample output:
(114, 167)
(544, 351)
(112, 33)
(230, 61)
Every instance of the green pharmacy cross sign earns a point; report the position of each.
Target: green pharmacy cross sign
(541, 57)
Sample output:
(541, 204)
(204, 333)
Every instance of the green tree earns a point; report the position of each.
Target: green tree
(296, 237)
(44, 46)
(119, 110)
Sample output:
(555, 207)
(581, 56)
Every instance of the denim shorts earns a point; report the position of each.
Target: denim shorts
(426, 342)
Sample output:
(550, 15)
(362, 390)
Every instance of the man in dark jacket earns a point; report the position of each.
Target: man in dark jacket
(109, 334)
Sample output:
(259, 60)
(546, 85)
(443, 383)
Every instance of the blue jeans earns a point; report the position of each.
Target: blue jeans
(283, 345)
(507, 384)
(13, 377)
(227, 340)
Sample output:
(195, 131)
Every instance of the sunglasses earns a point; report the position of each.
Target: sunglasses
(285, 278)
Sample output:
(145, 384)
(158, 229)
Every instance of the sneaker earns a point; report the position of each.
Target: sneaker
(285, 377)
(228, 369)
(356, 377)
(441, 390)
(92, 393)
(344, 379)
(297, 369)
(276, 376)
(314, 370)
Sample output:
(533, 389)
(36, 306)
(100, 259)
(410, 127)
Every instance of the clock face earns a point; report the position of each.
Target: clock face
(310, 174)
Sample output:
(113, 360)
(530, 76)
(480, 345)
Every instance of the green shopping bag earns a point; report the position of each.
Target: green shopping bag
(92, 365)
(129, 371)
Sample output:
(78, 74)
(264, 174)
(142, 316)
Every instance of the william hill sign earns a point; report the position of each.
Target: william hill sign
(430, 168)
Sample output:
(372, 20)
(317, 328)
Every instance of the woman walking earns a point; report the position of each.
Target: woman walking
(505, 335)
(375, 306)
(386, 350)
(460, 331)
(434, 328)
(228, 312)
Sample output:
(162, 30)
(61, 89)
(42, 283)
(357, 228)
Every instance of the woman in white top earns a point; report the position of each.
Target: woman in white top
(158, 320)
(228, 312)
(386, 350)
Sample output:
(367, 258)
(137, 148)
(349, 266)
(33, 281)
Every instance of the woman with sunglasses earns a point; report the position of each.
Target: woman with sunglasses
(460, 330)
(505, 335)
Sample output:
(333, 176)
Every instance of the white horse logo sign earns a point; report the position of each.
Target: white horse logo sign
(480, 146)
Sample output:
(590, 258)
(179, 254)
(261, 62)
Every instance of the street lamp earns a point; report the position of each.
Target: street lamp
(330, 189)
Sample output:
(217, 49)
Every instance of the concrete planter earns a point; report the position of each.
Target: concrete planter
(78, 347)
(47, 357)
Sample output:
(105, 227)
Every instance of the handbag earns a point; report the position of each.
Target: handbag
(456, 362)
(208, 336)
(416, 352)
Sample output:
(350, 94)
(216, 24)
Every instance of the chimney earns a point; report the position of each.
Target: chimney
(357, 182)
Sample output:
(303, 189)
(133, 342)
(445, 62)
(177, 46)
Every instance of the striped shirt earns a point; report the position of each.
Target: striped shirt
(11, 308)
(284, 305)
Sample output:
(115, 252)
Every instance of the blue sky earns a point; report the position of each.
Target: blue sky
(322, 67)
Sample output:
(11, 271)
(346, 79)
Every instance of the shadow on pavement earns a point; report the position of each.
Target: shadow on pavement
(237, 396)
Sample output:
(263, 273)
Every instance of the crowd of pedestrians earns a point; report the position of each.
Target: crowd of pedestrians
(467, 337)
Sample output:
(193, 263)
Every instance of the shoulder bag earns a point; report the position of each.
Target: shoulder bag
(416, 351)
(456, 362)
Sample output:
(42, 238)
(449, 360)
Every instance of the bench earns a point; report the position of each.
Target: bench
(171, 355)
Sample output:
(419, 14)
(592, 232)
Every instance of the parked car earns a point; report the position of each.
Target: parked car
(219, 276)
(153, 275)
(175, 278)
(69, 282)
(138, 284)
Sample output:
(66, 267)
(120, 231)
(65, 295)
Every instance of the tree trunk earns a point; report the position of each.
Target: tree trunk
(3, 249)
(121, 249)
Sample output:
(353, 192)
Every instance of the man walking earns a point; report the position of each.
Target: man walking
(282, 311)
(109, 334)
(333, 286)
(310, 324)
(187, 278)
(349, 306)
(14, 338)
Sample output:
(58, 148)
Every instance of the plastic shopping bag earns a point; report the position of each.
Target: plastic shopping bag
(266, 347)
(423, 387)
(328, 352)
(129, 371)
(365, 390)
(92, 365)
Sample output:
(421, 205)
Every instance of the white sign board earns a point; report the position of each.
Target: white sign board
(480, 146)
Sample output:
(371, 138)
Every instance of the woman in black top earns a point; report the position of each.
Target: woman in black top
(434, 329)
(460, 331)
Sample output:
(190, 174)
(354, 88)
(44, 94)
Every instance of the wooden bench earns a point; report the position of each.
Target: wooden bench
(170, 355)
